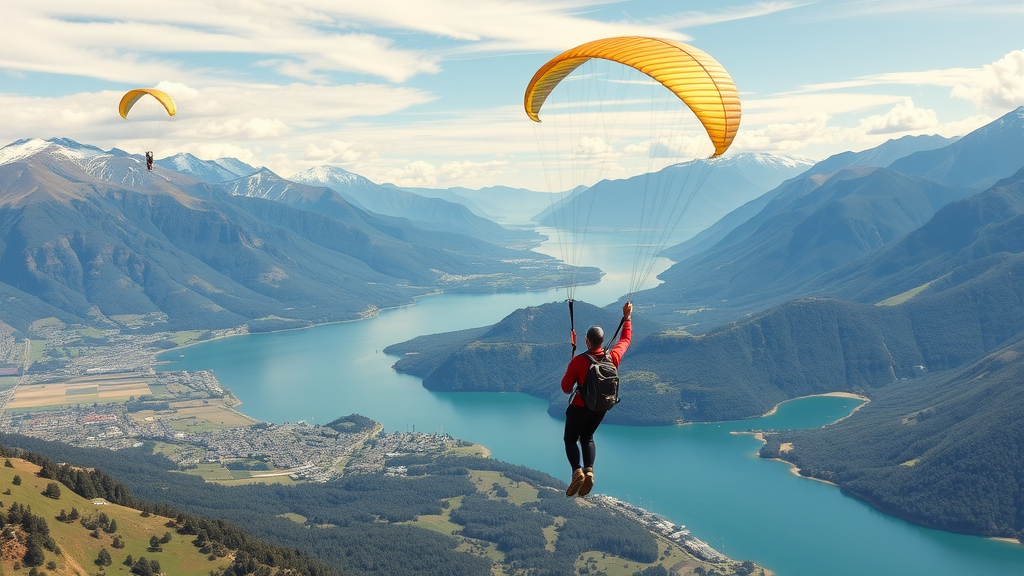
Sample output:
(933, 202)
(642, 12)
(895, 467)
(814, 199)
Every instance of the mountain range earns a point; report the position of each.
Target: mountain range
(716, 186)
(91, 236)
(425, 212)
(823, 220)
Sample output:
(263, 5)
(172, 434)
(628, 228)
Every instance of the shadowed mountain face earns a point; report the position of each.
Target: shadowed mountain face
(813, 226)
(98, 237)
(428, 213)
(977, 160)
(965, 237)
(877, 157)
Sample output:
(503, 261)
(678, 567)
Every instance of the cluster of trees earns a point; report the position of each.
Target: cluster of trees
(352, 424)
(36, 529)
(140, 567)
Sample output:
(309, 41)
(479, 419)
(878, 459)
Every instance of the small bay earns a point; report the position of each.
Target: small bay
(705, 476)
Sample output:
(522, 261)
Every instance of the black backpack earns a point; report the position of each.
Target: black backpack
(600, 389)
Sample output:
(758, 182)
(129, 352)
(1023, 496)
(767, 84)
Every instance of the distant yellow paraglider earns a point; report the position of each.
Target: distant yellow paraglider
(691, 74)
(148, 124)
(133, 96)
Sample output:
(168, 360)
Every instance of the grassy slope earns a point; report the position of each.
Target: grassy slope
(79, 549)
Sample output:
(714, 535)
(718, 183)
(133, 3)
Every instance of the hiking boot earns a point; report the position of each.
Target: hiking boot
(588, 482)
(577, 481)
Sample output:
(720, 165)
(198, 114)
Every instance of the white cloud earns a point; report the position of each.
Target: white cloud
(905, 117)
(997, 85)
(757, 9)
(248, 112)
(591, 146)
(783, 137)
(816, 131)
(471, 171)
(131, 42)
(414, 174)
(127, 41)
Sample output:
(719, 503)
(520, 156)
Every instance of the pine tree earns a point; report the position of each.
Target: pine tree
(104, 559)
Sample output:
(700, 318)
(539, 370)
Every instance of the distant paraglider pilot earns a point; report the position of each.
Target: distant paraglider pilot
(149, 161)
(592, 379)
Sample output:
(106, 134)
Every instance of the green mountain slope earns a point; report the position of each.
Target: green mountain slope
(122, 531)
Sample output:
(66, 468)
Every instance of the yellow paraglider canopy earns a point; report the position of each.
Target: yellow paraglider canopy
(133, 96)
(691, 74)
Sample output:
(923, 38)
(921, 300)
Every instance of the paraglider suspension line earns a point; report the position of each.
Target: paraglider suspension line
(572, 330)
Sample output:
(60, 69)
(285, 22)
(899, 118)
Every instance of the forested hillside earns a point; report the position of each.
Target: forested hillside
(449, 514)
(946, 451)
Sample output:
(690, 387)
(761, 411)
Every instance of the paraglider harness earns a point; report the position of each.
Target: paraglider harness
(149, 161)
(600, 389)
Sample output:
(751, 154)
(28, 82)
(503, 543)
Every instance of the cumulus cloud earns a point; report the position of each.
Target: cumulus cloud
(784, 137)
(592, 146)
(414, 174)
(905, 117)
(997, 85)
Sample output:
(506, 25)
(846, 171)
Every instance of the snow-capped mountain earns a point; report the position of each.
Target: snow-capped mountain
(213, 171)
(114, 166)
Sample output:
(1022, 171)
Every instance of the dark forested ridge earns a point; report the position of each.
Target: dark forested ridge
(946, 451)
(530, 346)
(365, 524)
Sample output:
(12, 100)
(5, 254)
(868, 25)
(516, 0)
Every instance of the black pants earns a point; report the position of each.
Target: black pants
(580, 425)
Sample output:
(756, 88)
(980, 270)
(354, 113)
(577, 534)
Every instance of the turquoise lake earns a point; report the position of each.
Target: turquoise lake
(703, 476)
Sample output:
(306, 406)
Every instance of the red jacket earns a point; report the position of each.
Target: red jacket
(576, 373)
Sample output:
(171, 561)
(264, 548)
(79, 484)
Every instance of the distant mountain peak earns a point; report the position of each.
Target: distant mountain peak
(324, 175)
(774, 160)
(214, 171)
(86, 157)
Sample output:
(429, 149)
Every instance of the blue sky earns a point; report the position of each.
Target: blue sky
(429, 92)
